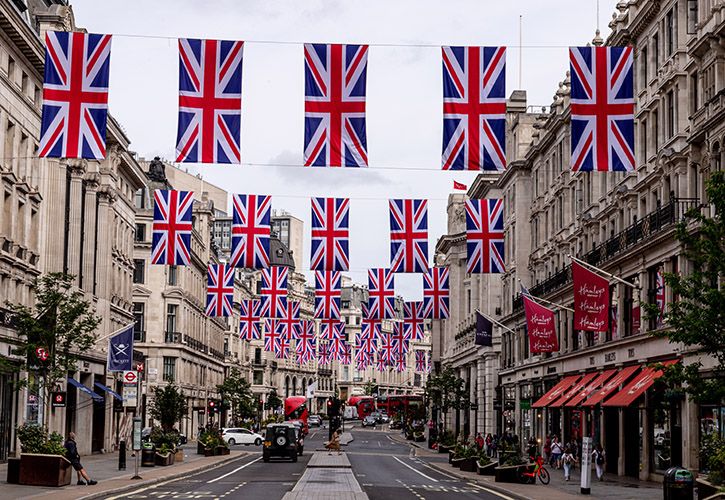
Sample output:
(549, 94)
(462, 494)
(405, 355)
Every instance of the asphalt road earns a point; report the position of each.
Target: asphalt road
(386, 470)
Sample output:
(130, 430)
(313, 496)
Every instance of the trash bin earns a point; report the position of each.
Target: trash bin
(148, 455)
(678, 484)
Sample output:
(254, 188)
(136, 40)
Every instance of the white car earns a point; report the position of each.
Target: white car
(236, 435)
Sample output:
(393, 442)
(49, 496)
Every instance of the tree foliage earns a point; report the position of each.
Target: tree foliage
(446, 390)
(62, 323)
(697, 317)
(168, 406)
(236, 392)
(273, 400)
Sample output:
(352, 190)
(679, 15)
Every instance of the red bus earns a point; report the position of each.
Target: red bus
(295, 409)
(365, 405)
(395, 404)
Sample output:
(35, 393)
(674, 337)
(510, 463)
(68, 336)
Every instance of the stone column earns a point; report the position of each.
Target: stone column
(87, 277)
(102, 277)
(620, 460)
(76, 168)
(482, 396)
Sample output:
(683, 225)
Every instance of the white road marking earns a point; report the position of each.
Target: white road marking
(235, 470)
(415, 470)
(379, 445)
(493, 492)
(436, 470)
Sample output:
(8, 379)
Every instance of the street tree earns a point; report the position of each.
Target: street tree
(273, 400)
(370, 387)
(236, 392)
(168, 406)
(697, 318)
(53, 333)
(446, 391)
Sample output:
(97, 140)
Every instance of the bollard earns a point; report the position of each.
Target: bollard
(122, 455)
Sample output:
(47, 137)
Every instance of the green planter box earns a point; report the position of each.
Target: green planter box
(486, 470)
(164, 460)
(457, 462)
(469, 465)
(508, 473)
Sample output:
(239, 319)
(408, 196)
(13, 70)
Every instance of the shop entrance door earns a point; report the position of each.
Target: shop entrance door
(611, 433)
(632, 435)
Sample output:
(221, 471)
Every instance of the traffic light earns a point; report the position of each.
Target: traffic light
(212, 405)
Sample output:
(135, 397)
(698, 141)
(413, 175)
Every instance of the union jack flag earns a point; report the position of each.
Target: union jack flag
(172, 227)
(408, 236)
(250, 231)
(484, 236)
(398, 338)
(381, 294)
(401, 362)
(386, 351)
(420, 360)
(306, 342)
(335, 105)
(274, 292)
(362, 360)
(327, 294)
(330, 234)
(219, 290)
(324, 357)
(365, 343)
(210, 101)
(249, 319)
(284, 343)
(344, 355)
(474, 108)
(289, 324)
(413, 318)
(436, 293)
(75, 95)
(382, 363)
(660, 297)
(274, 340)
(370, 327)
(602, 109)
(331, 329)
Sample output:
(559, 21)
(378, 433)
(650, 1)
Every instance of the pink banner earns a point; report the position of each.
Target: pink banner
(541, 327)
(591, 299)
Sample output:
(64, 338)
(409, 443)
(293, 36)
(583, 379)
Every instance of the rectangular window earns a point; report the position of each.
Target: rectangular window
(140, 198)
(171, 310)
(139, 270)
(258, 378)
(172, 275)
(670, 114)
(643, 140)
(670, 30)
(139, 326)
(257, 355)
(140, 232)
(11, 69)
(656, 128)
(692, 15)
(169, 369)
(694, 92)
(645, 65)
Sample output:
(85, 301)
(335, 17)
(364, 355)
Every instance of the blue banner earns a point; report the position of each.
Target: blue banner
(120, 350)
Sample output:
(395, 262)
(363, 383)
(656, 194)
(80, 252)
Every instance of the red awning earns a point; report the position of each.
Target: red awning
(574, 389)
(555, 392)
(591, 387)
(612, 384)
(637, 386)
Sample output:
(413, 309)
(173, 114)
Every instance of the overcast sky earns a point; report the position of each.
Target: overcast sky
(404, 91)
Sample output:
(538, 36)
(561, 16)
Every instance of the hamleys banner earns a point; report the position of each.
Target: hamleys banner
(591, 299)
(541, 327)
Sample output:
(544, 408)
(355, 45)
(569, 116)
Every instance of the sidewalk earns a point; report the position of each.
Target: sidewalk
(327, 477)
(104, 469)
(558, 489)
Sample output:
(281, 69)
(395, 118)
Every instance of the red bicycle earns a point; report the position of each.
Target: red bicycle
(539, 471)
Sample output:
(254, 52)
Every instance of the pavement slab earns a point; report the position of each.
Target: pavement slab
(329, 460)
(327, 483)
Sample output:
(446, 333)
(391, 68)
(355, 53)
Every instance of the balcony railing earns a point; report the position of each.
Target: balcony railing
(173, 337)
(653, 223)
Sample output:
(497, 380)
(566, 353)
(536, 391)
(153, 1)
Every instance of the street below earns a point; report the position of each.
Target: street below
(385, 469)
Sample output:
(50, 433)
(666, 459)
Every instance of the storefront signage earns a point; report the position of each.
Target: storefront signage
(58, 399)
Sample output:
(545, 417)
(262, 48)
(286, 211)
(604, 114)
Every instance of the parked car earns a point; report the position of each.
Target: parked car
(314, 420)
(369, 421)
(378, 416)
(280, 440)
(236, 435)
(396, 424)
(384, 418)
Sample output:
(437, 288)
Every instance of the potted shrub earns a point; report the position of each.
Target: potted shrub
(484, 465)
(165, 444)
(164, 455)
(446, 442)
(42, 458)
(508, 470)
(469, 457)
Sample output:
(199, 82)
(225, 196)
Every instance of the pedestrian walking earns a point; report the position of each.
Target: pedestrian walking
(568, 461)
(488, 442)
(479, 441)
(71, 453)
(599, 459)
(556, 450)
(547, 449)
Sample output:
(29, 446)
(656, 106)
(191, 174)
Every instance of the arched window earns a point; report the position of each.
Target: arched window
(715, 159)
(286, 386)
(294, 386)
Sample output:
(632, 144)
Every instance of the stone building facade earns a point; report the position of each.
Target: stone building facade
(624, 224)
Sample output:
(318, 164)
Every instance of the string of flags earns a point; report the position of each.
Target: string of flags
(76, 87)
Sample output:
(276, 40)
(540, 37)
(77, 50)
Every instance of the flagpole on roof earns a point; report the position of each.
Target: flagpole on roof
(601, 271)
(498, 323)
(539, 299)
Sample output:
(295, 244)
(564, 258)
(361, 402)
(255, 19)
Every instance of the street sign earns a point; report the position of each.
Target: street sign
(130, 395)
(130, 377)
(58, 399)
(139, 367)
(586, 470)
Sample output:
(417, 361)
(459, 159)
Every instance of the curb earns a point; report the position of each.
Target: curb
(162, 479)
(494, 487)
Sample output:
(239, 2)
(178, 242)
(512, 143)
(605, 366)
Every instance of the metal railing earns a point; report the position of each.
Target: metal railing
(661, 219)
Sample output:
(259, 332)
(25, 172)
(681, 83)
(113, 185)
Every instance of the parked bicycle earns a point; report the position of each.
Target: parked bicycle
(539, 471)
